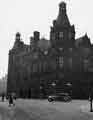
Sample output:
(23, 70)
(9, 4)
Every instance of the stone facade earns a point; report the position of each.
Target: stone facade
(55, 65)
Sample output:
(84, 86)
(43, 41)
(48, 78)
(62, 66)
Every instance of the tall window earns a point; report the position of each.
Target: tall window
(44, 66)
(60, 61)
(70, 35)
(70, 62)
(53, 36)
(40, 67)
(60, 34)
(34, 67)
(85, 64)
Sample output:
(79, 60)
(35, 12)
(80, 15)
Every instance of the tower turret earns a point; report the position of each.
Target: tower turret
(18, 35)
(34, 39)
(62, 18)
(62, 34)
(62, 7)
(18, 43)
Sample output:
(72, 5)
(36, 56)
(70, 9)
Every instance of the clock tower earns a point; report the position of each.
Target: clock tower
(62, 34)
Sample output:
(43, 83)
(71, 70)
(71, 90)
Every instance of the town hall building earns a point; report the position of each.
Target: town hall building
(60, 64)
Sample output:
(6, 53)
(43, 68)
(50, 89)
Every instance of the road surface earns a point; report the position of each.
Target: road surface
(43, 110)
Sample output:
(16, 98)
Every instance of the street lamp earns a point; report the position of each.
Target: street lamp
(90, 88)
(41, 90)
(69, 85)
(89, 70)
(53, 85)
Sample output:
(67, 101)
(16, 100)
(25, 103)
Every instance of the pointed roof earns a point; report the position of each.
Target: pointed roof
(83, 41)
(62, 18)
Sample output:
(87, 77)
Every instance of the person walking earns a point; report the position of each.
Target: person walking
(11, 100)
(3, 97)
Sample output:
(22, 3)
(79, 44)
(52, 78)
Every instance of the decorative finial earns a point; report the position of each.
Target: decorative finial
(62, 4)
(18, 36)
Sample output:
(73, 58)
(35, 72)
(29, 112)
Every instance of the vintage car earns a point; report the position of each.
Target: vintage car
(60, 97)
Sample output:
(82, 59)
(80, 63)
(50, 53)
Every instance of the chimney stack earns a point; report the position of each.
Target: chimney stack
(36, 36)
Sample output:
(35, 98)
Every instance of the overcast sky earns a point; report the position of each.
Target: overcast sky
(27, 16)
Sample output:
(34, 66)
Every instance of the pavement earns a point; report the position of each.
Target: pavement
(12, 113)
(86, 109)
(31, 109)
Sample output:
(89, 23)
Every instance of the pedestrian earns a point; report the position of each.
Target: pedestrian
(11, 100)
(3, 97)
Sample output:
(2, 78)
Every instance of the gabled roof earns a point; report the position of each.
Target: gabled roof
(83, 41)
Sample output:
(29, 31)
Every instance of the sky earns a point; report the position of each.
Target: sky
(26, 16)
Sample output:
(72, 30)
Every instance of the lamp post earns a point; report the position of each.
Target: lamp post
(90, 88)
(40, 91)
(69, 85)
(53, 85)
(89, 72)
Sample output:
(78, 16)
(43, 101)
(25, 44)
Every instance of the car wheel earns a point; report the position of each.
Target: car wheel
(69, 99)
(66, 99)
(50, 99)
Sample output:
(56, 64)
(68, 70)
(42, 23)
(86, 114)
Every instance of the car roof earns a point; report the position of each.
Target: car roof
(62, 94)
(59, 94)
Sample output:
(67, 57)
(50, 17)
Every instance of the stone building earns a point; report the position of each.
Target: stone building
(59, 64)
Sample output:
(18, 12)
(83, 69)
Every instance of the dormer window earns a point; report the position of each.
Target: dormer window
(60, 34)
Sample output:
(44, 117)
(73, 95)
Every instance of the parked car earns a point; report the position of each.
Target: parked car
(60, 97)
